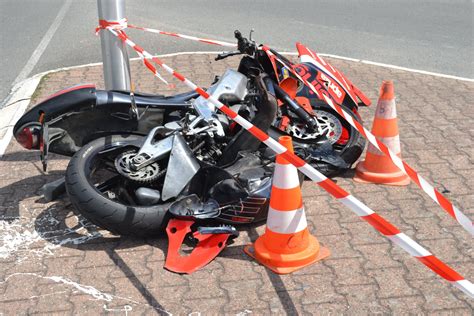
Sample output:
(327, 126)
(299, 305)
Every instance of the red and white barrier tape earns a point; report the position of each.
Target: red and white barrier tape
(118, 27)
(192, 38)
(452, 210)
(379, 223)
(440, 199)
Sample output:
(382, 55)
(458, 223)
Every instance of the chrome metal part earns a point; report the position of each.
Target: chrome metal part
(223, 229)
(330, 125)
(175, 125)
(232, 87)
(211, 126)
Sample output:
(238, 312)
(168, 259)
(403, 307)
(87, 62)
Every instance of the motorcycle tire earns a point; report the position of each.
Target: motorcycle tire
(118, 218)
(354, 142)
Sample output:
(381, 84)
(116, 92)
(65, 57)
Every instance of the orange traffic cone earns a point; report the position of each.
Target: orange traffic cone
(377, 167)
(287, 244)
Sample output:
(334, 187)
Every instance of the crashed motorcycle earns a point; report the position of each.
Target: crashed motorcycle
(73, 117)
(195, 166)
(109, 131)
(198, 163)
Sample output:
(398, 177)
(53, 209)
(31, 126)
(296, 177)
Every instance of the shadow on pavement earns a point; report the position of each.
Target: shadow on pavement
(23, 189)
(52, 225)
(277, 282)
(28, 155)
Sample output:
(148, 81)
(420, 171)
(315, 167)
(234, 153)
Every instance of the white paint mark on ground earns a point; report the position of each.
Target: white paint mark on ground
(94, 293)
(13, 239)
(20, 239)
(85, 289)
(125, 308)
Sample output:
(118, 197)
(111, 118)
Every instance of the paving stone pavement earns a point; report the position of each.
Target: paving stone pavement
(52, 261)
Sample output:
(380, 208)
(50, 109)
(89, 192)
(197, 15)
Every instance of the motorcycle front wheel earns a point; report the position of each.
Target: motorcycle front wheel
(346, 141)
(106, 197)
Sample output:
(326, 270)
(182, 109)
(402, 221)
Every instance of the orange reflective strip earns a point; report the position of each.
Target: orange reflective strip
(387, 91)
(286, 199)
(285, 141)
(286, 243)
(281, 160)
(380, 163)
(385, 128)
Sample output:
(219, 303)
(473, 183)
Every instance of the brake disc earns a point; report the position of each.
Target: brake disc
(329, 123)
(143, 175)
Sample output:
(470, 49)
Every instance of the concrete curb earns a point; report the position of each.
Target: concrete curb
(18, 101)
(19, 98)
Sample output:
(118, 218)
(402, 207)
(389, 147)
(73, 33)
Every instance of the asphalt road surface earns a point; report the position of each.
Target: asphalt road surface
(434, 35)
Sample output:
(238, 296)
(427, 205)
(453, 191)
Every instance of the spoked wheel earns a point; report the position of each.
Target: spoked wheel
(103, 189)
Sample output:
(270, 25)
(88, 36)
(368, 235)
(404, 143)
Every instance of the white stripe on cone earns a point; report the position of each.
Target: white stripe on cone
(285, 177)
(386, 109)
(393, 143)
(286, 222)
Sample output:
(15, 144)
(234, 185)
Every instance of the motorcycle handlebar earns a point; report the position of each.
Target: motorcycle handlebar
(238, 35)
(244, 46)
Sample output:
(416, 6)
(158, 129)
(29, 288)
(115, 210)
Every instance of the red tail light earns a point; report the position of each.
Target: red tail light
(28, 137)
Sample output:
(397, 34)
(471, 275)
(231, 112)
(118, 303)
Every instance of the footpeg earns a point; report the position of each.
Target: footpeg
(224, 229)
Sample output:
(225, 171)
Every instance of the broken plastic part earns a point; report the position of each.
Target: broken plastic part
(208, 247)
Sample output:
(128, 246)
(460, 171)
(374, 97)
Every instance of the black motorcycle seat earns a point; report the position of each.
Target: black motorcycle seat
(159, 99)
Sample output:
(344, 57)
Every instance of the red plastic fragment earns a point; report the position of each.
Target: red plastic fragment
(208, 247)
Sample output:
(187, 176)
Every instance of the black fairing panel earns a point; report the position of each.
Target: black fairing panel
(69, 100)
(74, 118)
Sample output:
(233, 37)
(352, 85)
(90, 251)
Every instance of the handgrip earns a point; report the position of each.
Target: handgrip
(238, 35)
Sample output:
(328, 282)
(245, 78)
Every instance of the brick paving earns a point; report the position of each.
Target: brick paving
(52, 261)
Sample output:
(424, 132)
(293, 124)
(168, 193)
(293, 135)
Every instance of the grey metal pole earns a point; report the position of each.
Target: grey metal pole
(114, 51)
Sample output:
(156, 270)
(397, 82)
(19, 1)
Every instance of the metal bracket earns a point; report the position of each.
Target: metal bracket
(151, 151)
